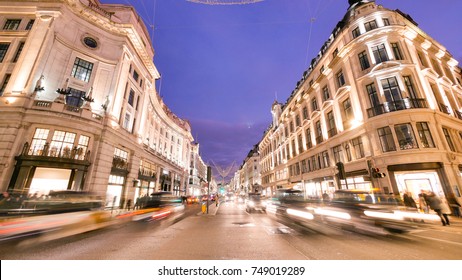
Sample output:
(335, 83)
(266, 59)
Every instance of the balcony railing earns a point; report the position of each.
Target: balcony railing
(397, 105)
(119, 163)
(319, 139)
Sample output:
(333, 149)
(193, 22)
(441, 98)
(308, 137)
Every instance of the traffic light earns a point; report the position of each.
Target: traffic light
(376, 173)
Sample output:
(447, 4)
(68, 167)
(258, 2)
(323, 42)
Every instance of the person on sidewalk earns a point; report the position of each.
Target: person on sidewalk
(455, 205)
(437, 205)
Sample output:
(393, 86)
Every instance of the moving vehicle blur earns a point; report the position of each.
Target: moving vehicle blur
(355, 210)
(54, 202)
(158, 205)
(255, 202)
(192, 199)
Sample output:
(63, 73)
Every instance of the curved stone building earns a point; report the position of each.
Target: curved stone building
(78, 104)
(380, 107)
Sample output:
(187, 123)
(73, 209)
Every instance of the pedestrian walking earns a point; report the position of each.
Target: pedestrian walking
(423, 206)
(409, 201)
(455, 205)
(437, 205)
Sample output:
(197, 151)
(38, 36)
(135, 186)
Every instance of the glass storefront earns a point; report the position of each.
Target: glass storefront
(49, 179)
(415, 182)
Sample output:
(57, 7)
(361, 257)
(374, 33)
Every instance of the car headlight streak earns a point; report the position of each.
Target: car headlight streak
(383, 215)
(332, 213)
(300, 214)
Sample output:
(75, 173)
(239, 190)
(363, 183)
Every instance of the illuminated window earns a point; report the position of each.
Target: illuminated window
(391, 91)
(120, 153)
(386, 139)
(331, 123)
(82, 147)
(425, 135)
(62, 144)
(348, 110)
(309, 143)
(405, 136)
(38, 141)
(449, 139)
(116, 180)
(410, 87)
(325, 159)
(348, 152)
(127, 120)
(319, 137)
(82, 69)
(337, 151)
(358, 147)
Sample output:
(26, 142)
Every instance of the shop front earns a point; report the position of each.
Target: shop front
(419, 177)
(40, 174)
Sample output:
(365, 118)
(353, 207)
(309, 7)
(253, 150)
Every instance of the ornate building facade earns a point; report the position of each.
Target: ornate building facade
(380, 107)
(78, 104)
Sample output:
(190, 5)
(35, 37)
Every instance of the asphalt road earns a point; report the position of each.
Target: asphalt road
(229, 233)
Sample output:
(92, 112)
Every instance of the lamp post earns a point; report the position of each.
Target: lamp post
(209, 178)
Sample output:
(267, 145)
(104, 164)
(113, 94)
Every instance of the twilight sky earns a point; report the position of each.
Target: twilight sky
(222, 66)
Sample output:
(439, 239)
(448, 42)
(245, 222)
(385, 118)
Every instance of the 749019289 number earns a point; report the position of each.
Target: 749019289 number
(270, 270)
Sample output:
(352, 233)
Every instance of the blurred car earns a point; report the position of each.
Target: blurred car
(62, 202)
(192, 200)
(255, 202)
(158, 205)
(229, 197)
(162, 199)
(362, 210)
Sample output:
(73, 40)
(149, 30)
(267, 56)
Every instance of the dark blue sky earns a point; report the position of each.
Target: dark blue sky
(222, 66)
